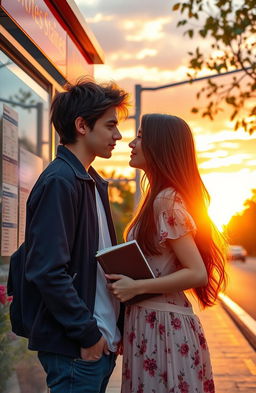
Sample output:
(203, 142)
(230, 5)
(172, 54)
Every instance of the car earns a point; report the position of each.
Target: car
(236, 252)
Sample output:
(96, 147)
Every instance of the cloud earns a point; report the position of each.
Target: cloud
(225, 156)
(151, 30)
(109, 35)
(129, 8)
(164, 56)
(223, 162)
(231, 145)
(146, 53)
(125, 30)
(98, 18)
(214, 154)
(119, 27)
(140, 73)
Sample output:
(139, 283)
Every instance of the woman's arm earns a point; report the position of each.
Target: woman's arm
(193, 273)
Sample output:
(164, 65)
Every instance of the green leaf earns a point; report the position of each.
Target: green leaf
(203, 33)
(238, 31)
(184, 6)
(176, 7)
(191, 33)
(233, 115)
(253, 112)
(231, 100)
(232, 24)
(182, 22)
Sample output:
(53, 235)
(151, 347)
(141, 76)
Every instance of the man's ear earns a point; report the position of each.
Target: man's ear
(81, 126)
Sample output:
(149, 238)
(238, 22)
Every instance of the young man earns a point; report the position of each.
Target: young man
(68, 219)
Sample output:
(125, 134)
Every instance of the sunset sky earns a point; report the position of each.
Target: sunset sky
(142, 45)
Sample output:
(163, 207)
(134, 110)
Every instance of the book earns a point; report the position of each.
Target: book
(129, 260)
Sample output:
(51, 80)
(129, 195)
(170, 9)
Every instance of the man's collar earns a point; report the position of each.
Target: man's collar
(78, 168)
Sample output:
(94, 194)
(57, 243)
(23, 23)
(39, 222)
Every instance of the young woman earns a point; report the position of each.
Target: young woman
(164, 344)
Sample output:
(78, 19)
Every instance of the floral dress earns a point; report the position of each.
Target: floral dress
(165, 350)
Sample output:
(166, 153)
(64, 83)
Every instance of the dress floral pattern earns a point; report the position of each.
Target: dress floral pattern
(165, 350)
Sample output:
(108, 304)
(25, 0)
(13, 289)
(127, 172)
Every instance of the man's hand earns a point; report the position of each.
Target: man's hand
(96, 351)
(120, 348)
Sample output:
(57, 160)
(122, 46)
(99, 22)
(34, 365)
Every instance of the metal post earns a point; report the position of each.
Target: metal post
(138, 90)
(39, 107)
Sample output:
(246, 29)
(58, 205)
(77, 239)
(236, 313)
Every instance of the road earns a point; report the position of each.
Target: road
(242, 284)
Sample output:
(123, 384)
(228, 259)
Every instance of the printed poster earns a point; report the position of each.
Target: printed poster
(9, 224)
(30, 167)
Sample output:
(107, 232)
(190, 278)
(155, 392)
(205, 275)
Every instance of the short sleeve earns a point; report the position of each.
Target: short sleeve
(173, 219)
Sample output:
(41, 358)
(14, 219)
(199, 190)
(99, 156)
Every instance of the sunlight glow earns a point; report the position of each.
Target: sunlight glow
(228, 192)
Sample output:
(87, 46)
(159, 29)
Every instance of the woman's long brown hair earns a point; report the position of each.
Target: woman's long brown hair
(168, 147)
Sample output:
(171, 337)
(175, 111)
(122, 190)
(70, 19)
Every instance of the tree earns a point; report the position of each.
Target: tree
(6, 351)
(241, 229)
(231, 27)
(23, 97)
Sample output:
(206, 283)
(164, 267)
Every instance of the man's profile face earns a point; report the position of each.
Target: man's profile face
(101, 140)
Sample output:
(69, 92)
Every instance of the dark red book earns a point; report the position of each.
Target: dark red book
(127, 259)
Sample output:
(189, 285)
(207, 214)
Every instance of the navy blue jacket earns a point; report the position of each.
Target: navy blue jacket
(61, 241)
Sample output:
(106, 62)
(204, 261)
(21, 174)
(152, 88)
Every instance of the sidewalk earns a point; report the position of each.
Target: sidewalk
(233, 359)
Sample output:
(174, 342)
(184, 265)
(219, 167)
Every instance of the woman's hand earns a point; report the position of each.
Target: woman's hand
(124, 288)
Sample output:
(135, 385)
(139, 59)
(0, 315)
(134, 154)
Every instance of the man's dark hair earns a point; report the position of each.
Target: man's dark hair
(88, 100)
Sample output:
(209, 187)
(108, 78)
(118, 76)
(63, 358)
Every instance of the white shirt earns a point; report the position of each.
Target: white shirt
(107, 307)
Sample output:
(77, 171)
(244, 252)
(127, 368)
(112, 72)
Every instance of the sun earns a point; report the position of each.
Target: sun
(228, 193)
(221, 216)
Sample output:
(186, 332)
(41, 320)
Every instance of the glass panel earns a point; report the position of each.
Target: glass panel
(31, 101)
(26, 113)
(25, 147)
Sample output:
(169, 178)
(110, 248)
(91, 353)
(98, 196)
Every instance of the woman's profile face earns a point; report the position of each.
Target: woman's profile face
(137, 157)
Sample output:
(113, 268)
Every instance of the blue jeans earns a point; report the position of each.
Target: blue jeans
(67, 375)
